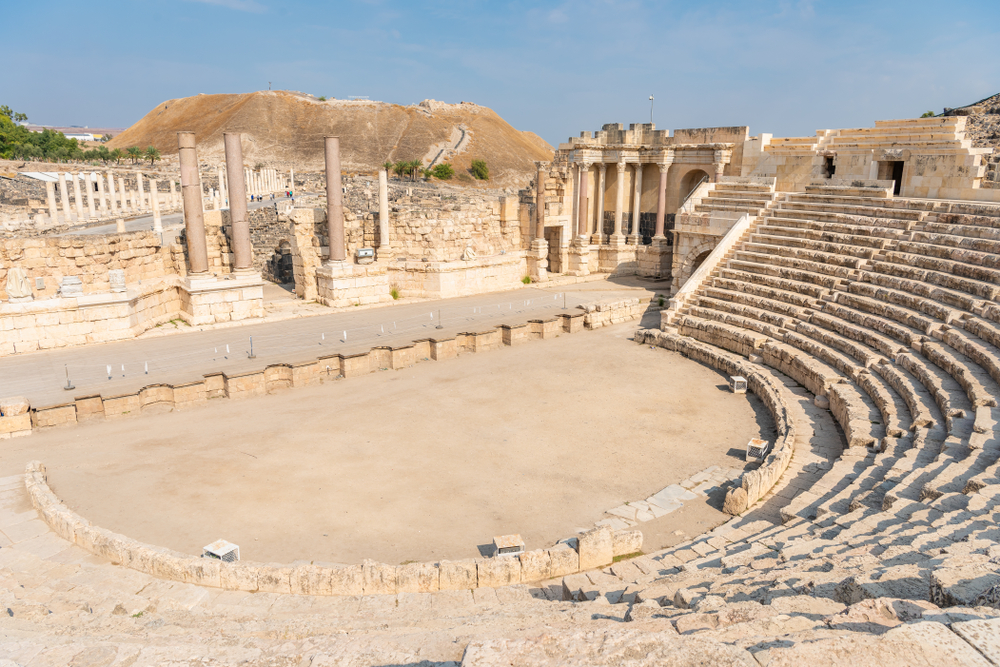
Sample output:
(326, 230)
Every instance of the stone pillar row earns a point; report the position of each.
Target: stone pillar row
(334, 199)
(583, 218)
(242, 252)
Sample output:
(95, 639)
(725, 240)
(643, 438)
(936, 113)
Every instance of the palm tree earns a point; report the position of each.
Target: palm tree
(117, 155)
(400, 168)
(134, 153)
(415, 166)
(152, 154)
(387, 166)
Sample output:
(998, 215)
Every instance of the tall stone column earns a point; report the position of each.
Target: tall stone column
(242, 252)
(618, 236)
(538, 255)
(173, 195)
(101, 200)
(154, 200)
(581, 218)
(78, 197)
(124, 194)
(50, 195)
(291, 181)
(64, 197)
(111, 193)
(141, 192)
(384, 251)
(224, 185)
(599, 227)
(334, 200)
(637, 204)
(88, 184)
(540, 204)
(194, 219)
(719, 161)
(661, 201)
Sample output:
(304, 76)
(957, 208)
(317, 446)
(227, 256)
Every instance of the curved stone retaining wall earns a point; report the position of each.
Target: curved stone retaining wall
(593, 549)
(754, 484)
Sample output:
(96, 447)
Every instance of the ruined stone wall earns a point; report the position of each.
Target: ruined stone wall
(89, 258)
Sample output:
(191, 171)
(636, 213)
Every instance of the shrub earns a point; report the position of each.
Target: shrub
(322, 98)
(394, 292)
(526, 280)
(479, 170)
(444, 171)
(928, 114)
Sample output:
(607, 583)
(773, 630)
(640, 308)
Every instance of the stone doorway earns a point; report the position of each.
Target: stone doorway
(892, 171)
(280, 267)
(553, 236)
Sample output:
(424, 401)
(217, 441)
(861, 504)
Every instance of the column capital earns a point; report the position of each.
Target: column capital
(621, 167)
(664, 166)
(603, 166)
(722, 156)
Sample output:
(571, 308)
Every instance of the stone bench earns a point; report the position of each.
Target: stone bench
(897, 265)
(849, 253)
(835, 272)
(756, 301)
(752, 265)
(860, 334)
(821, 234)
(908, 300)
(957, 268)
(954, 238)
(800, 251)
(899, 314)
(792, 291)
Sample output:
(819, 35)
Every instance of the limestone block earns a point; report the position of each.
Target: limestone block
(535, 565)
(626, 542)
(458, 575)
(15, 426)
(54, 416)
(563, 561)
(596, 548)
(500, 571)
(347, 580)
(101, 542)
(379, 578)
(736, 501)
(14, 406)
(417, 578)
(274, 579)
(966, 586)
(311, 580)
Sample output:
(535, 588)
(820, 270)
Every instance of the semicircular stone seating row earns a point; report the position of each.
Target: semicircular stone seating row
(887, 308)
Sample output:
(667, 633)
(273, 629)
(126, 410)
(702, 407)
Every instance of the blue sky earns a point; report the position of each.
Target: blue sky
(787, 67)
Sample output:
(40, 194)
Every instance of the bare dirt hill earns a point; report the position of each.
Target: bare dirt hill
(285, 129)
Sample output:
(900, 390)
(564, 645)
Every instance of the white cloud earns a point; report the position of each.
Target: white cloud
(239, 5)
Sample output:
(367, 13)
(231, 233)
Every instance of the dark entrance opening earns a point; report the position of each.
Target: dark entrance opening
(829, 168)
(280, 266)
(897, 177)
(553, 236)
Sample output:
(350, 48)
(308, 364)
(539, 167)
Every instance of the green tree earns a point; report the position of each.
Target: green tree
(928, 114)
(134, 153)
(480, 170)
(117, 155)
(415, 167)
(400, 168)
(443, 171)
(152, 154)
(103, 154)
(387, 166)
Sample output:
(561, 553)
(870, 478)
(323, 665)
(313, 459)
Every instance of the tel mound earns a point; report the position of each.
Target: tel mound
(285, 129)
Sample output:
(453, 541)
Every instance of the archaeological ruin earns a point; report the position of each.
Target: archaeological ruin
(667, 397)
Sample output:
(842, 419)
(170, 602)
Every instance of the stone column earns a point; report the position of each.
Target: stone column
(154, 200)
(619, 234)
(101, 200)
(242, 251)
(78, 197)
(873, 168)
(599, 231)
(637, 204)
(50, 194)
(194, 219)
(540, 204)
(64, 196)
(173, 195)
(291, 181)
(661, 201)
(141, 192)
(581, 218)
(123, 192)
(719, 161)
(89, 186)
(113, 208)
(334, 200)
(224, 186)
(384, 252)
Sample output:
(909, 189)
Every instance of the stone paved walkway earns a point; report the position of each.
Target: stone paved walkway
(192, 352)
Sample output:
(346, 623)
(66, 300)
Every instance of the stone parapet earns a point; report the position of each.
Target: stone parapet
(443, 280)
(342, 284)
(212, 301)
(595, 548)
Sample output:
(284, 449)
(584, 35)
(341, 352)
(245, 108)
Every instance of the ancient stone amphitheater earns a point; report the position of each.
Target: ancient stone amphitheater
(868, 324)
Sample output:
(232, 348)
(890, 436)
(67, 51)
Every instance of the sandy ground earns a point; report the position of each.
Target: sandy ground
(424, 463)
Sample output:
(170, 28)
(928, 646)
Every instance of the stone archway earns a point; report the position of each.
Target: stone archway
(691, 180)
(692, 260)
(280, 265)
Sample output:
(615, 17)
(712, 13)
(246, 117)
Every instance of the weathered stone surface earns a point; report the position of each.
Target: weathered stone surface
(499, 571)
(964, 585)
(379, 578)
(347, 580)
(983, 635)
(626, 542)
(13, 406)
(535, 565)
(736, 501)
(458, 575)
(878, 615)
(596, 548)
(417, 578)
(563, 561)
(604, 647)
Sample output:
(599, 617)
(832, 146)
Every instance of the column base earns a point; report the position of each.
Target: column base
(207, 300)
(579, 256)
(538, 261)
(596, 239)
(342, 284)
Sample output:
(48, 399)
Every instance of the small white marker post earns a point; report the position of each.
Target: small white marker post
(109, 372)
